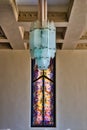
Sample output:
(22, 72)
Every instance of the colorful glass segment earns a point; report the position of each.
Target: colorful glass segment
(43, 96)
(48, 102)
(37, 102)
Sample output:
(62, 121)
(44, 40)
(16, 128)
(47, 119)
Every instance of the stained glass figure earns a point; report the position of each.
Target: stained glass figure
(43, 104)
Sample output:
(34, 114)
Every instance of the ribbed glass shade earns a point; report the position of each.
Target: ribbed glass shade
(42, 43)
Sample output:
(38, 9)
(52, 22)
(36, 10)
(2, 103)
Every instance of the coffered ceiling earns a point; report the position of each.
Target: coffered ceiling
(70, 17)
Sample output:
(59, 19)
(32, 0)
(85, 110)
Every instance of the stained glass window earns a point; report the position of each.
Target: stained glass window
(43, 106)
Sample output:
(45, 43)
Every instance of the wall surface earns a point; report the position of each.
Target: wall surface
(71, 90)
(14, 90)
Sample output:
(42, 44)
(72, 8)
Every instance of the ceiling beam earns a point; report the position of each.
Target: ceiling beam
(82, 41)
(15, 8)
(10, 27)
(4, 40)
(26, 25)
(70, 8)
(76, 24)
(61, 24)
(34, 8)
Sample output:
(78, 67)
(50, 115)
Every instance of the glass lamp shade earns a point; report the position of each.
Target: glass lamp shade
(42, 43)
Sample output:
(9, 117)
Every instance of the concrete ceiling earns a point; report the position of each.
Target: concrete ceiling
(70, 17)
(4, 1)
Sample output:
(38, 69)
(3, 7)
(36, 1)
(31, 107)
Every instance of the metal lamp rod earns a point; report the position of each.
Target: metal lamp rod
(45, 10)
(42, 11)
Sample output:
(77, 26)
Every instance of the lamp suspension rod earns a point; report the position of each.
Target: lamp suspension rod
(45, 10)
(42, 11)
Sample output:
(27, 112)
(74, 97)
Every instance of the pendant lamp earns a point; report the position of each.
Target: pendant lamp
(42, 38)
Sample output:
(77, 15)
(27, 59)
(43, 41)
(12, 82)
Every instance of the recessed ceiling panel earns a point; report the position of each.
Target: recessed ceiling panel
(5, 45)
(35, 2)
(2, 34)
(60, 32)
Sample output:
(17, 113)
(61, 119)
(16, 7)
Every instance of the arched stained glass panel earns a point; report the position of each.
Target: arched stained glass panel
(43, 104)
